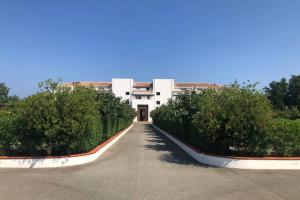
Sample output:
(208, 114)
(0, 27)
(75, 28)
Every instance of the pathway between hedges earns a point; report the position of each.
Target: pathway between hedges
(145, 165)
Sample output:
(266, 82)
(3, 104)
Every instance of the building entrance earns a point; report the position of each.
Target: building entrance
(142, 113)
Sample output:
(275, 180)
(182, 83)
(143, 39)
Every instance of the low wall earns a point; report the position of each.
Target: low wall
(275, 163)
(60, 161)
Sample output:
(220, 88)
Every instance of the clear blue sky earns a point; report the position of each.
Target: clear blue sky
(206, 41)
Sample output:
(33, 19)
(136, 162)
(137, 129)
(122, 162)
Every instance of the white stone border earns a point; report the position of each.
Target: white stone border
(228, 162)
(60, 161)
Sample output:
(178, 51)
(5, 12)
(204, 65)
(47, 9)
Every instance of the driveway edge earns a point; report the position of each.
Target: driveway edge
(267, 163)
(61, 161)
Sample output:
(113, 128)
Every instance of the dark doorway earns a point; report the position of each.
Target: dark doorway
(142, 113)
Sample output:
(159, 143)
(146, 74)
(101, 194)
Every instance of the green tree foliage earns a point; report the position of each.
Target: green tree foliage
(288, 113)
(236, 120)
(294, 92)
(177, 115)
(58, 121)
(6, 101)
(285, 97)
(277, 92)
(115, 114)
(286, 137)
(4, 90)
(8, 139)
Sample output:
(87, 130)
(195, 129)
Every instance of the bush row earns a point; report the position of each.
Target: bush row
(236, 120)
(58, 121)
(286, 137)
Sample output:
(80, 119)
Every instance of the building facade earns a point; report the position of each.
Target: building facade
(145, 96)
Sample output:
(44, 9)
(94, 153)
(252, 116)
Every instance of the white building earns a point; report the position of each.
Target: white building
(145, 96)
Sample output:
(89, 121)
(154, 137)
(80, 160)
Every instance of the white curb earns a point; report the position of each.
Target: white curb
(60, 161)
(228, 162)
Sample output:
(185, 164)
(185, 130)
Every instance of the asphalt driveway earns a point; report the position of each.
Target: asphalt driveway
(145, 165)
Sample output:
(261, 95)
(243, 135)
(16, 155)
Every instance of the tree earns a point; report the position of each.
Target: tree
(277, 93)
(285, 96)
(4, 90)
(294, 91)
(6, 101)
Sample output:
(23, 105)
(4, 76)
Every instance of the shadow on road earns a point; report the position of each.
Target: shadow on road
(172, 153)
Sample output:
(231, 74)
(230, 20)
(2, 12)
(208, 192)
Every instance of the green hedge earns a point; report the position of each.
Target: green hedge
(236, 120)
(8, 139)
(286, 137)
(288, 113)
(115, 114)
(58, 121)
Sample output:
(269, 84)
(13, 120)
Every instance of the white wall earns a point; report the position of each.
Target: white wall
(120, 86)
(165, 87)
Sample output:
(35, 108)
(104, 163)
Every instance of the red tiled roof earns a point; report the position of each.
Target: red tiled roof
(142, 84)
(89, 83)
(197, 85)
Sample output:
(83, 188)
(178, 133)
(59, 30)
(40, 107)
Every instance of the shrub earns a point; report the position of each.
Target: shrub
(286, 137)
(289, 113)
(115, 114)
(60, 121)
(176, 117)
(8, 139)
(235, 120)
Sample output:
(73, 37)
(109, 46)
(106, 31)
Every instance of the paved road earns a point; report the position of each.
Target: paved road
(145, 165)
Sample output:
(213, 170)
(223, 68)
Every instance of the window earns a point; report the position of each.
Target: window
(157, 102)
(127, 93)
(138, 97)
(147, 88)
(148, 97)
(157, 93)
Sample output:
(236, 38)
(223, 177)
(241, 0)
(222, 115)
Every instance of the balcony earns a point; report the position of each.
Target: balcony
(177, 92)
(142, 92)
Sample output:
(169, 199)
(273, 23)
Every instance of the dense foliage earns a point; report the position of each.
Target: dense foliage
(286, 137)
(8, 139)
(236, 120)
(59, 121)
(285, 97)
(115, 114)
(7, 101)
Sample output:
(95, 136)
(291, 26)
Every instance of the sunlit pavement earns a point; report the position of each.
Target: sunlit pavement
(145, 165)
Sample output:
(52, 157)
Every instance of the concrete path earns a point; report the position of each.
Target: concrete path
(145, 165)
